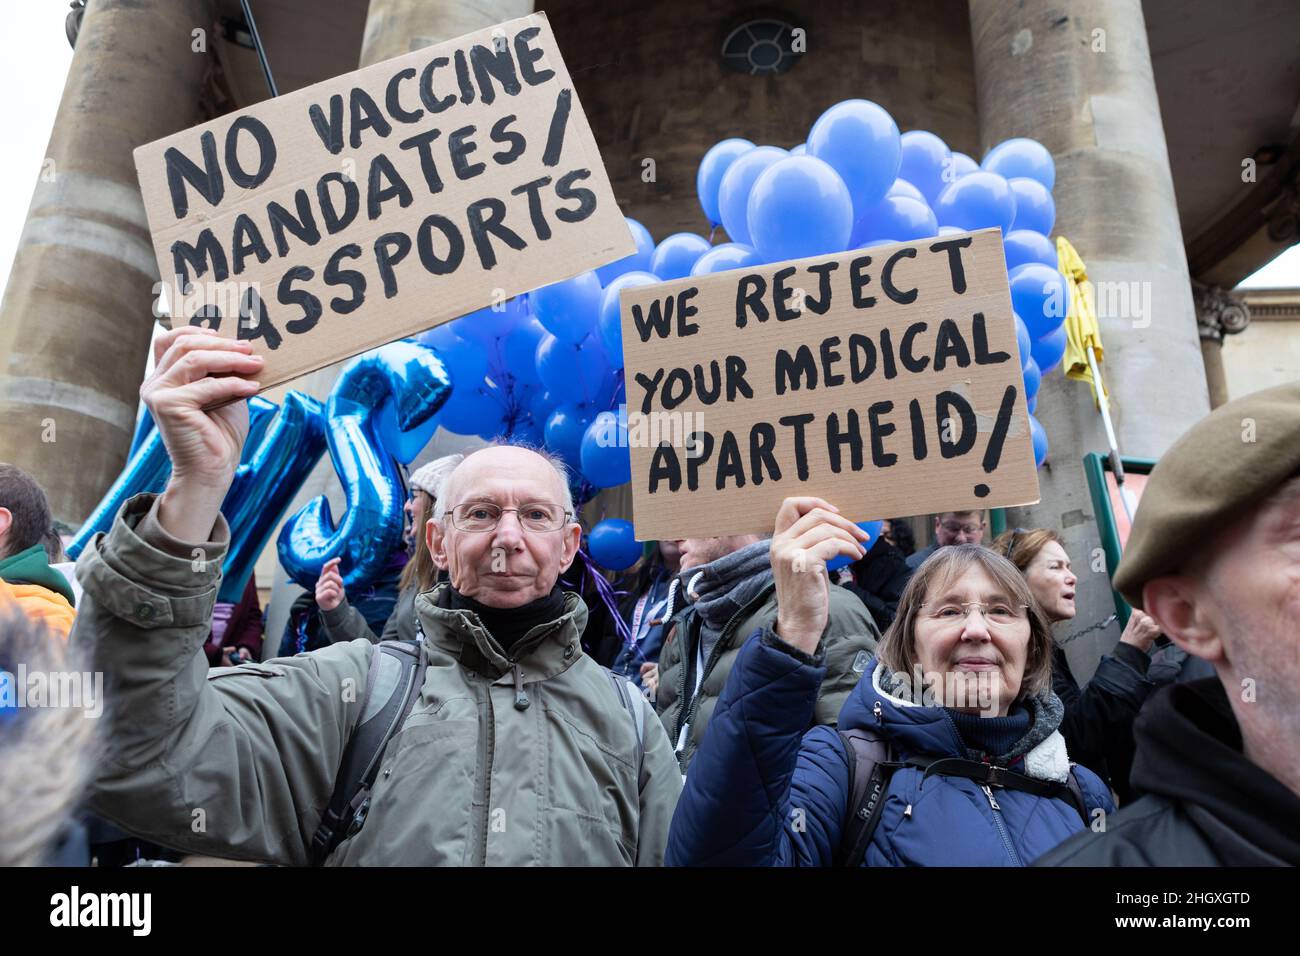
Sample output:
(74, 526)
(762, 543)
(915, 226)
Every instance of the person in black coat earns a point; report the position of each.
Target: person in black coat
(878, 580)
(1098, 723)
(1214, 557)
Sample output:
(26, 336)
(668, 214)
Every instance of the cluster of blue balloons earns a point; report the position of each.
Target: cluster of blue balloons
(858, 182)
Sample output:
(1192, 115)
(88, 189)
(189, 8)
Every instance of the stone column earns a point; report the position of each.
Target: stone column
(1078, 79)
(394, 27)
(1218, 313)
(76, 317)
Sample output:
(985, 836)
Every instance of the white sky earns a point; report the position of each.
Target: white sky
(34, 60)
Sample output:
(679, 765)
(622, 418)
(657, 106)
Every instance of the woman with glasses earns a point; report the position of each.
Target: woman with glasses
(947, 751)
(1098, 723)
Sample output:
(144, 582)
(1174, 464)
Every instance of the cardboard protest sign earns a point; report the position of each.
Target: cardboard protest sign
(885, 380)
(382, 203)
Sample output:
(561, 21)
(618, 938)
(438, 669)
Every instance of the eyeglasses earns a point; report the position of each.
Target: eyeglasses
(953, 528)
(995, 615)
(477, 516)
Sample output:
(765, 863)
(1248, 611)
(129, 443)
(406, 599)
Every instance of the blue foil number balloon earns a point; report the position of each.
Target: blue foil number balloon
(371, 525)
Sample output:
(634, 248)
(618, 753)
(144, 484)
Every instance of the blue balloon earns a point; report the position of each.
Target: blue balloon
(443, 338)
(962, 165)
(1035, 207)
(568, 309)
(1032, 405)
(465, 361)
(1039, 437)
(1022, 246)
(269, 475)
(729, 255)
(799, 150)
(898, 216)
(572, 373)
(370, 529)
(637, 261)
(486, 325)
(606, 458)
(540, 404)
(926, 163)
(872, 528)
(516, 353)
(1022, 157)
(418, 385)
(610, 321)
(1023, 342)
(1033, 378)
(144, 426)
(281, 448)
(733, 194)
(799, 207)
(146, 471)
(950, 231)
(860, 141)
(564, 431)
(497, 419)
(674, 256)
(1040, 296)
(979, 201)
(613, 544)
(902, 187)
(1050, 349)
(712, 168)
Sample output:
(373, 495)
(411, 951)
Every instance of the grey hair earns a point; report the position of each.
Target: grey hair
(557, 463)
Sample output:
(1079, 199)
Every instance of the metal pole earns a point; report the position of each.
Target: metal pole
(1116, 465)
(257, 45)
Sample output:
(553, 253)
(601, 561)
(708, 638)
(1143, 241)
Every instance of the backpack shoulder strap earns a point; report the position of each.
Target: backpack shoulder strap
(1076, 797)
(870, 768)
(393, 683)
(627, 694)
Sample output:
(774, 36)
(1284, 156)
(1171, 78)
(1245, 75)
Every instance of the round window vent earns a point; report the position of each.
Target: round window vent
(760, 46)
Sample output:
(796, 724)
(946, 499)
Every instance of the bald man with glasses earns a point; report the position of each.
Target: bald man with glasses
(502, 743)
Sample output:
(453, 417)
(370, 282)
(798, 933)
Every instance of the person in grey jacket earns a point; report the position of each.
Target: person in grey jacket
(343, 622)
(518, 749)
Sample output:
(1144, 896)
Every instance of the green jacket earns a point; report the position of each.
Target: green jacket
(849, 642)
(239, 762)
(33, 567)
(346, 623)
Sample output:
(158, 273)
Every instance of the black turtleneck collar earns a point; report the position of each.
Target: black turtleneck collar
(508, 625)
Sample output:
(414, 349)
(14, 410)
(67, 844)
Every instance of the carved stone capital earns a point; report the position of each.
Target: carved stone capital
(1218, 312)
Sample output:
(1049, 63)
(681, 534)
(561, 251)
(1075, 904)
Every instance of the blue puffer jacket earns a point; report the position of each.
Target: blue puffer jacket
(766, 791)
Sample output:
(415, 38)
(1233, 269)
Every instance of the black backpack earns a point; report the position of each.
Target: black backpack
(872, 762)
(392, 685)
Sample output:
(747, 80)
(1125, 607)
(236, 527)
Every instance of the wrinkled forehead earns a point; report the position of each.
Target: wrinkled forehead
(504, 476)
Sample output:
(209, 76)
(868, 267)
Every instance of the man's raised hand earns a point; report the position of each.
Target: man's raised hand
(196, 395)
(809, 532)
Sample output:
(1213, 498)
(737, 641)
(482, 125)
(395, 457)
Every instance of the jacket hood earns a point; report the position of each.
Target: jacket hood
(33, 567)
(917, 729)
(1189, 749)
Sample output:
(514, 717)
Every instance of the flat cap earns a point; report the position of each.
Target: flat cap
(1227, 462)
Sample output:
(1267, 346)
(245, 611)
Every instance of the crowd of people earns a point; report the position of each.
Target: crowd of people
(479, 705)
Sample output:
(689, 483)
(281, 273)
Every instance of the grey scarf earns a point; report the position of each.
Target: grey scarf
(721, 588)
